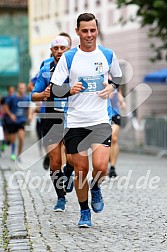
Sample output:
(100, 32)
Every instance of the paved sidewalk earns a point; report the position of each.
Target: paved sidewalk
(134, 218)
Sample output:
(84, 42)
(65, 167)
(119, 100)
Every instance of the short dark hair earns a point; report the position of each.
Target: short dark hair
(86, 17)
(66, 35)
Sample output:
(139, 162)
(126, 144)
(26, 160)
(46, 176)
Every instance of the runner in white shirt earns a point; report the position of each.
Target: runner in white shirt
(87, 122)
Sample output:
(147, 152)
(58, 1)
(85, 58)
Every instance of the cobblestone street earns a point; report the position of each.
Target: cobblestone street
(134, 218)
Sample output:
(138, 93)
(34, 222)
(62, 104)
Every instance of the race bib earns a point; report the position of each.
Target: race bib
(92, 84)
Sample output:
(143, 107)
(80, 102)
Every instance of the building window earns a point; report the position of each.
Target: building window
(42, 9)
(38, 9)
(86, 4)
(35, 10)
(76, 6)
(98, 2)
(48, 9)
(67, 7)
(57, 8)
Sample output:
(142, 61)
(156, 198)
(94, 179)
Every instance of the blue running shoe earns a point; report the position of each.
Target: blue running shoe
(69, 180)
(85, 219)
(97, 201)
(60, 205)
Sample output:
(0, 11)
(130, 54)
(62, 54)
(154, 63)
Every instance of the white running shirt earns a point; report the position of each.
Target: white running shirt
(91, 68)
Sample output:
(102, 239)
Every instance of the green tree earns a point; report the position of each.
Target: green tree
(154, 14)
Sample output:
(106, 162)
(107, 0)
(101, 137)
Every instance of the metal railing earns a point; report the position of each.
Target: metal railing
(156, 132)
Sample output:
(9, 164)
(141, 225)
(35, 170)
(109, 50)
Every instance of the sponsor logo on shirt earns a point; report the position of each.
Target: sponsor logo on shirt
(98, 67)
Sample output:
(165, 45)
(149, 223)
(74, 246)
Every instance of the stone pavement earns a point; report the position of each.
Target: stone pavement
(134, 218)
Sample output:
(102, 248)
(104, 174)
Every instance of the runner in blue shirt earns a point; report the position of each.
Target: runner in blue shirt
(67, 168)
(117, 103)
(10, 91)
(53, 120)
(16, 117)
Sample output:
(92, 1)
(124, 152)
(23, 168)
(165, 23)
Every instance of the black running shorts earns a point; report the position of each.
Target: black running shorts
(14, 127)
(52, 130)
(81, 139)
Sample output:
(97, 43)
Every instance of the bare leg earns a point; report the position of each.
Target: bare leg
(21, 134)
(63, 154)
(100, 158)
(81, 166)
(56, 174)
(114, 150)
(54, 151)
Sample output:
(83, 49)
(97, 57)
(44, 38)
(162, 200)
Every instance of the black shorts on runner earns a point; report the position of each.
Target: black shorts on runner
(81, 139)
(52, 130)
(116, 120)
(14, 128)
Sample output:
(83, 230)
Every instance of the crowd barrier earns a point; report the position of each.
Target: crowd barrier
(156, 132)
